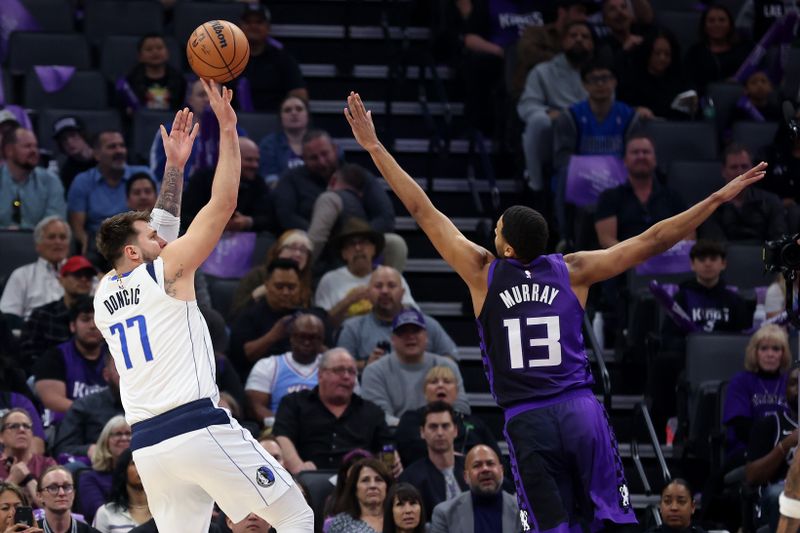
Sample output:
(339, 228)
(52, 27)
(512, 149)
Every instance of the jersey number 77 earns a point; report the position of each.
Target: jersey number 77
(139, 322)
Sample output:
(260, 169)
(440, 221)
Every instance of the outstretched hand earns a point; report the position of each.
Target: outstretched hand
(220, 97)
(360, 121)
(178, 142)
(741, 182)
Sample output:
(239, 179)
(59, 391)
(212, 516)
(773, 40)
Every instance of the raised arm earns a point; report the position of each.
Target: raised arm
(166, 215)
(586, 268)
(186, 254)
(467, 258)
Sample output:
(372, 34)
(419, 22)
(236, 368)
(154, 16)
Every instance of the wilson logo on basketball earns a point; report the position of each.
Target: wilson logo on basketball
(217, 27)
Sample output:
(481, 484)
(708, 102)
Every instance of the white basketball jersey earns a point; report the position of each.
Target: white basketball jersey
(161, 345)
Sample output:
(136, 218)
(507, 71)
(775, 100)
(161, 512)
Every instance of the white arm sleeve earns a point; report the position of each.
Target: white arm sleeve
(166, 224)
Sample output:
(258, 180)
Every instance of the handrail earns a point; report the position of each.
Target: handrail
(605, 377)
(641, 408)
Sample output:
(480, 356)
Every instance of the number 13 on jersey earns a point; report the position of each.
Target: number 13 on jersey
(551, 341)
(141, 325)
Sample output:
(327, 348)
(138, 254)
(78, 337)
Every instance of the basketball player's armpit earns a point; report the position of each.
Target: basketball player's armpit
(169, 283)
(169, 198)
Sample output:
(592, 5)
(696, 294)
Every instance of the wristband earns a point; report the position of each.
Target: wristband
(790, 507)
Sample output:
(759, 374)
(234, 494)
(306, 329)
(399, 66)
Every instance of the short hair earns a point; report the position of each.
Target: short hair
(102, 461)
(681, 483)
(638, 136)
(735, 148)
(437, 407)
(83, 304)
(6, 486)
(10, 412)
(583, 23)
(282, 263)
(41, 226)
(312, 135)
(596, 64)
(326, 356)
(117, 232)
(347, 501)
(440, 371)
(95, 140)
(707, 248)
(53, 468)
(525, 229)
(138, 177)
(768, 332)
(10, 137)
(306, 316)
(151, 35)
(402, 492)
(353, 175)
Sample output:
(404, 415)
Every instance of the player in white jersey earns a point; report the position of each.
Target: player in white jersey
(189, 452)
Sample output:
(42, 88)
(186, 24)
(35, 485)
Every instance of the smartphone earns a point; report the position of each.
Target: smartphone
(24, 515)
(385, 346)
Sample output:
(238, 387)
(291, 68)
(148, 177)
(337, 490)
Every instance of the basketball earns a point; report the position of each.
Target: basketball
(218, 50)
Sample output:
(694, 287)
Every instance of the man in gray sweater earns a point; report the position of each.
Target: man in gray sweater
(395, 381)
(549, 88)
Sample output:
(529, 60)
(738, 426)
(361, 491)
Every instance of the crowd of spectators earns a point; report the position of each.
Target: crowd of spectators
(321, 348)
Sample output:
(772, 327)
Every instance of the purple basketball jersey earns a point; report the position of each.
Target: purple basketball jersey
(531, 332)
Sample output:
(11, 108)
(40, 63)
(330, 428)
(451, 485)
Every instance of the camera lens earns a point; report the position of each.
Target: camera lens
(791, 256)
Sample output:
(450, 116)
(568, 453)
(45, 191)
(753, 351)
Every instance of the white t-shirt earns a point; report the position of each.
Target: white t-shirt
(335, 285)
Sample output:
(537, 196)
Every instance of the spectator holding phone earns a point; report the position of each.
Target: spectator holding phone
(15, 514)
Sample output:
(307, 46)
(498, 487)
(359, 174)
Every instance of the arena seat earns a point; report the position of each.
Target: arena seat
(745, 268)
(695, 180)
(85, 90)
(145, 127)
(189, 15)
(682, 140)
(682, 24)
(724, 95)
(94, 120)
(221, 291)
(791, 76)
(118, 55)
(754, 135)
(52, 15)
(18, 249)
(257, 125)
(129, 17)
(318, 483)
(26, 49)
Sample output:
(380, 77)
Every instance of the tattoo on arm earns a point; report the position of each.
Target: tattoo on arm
(169, 199)
(169, 284)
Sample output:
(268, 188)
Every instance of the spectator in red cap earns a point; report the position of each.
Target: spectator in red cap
(48, 325)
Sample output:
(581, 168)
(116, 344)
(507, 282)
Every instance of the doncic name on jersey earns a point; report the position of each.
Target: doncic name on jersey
(121, 298)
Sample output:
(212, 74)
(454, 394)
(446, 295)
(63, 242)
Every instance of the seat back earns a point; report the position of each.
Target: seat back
(221, 291)
(94, 120)
(18, 249)
(682, 140)
(745, 267)
(189, 15)
(319, 486)
(118, 55)
(754, 135)
(258, 125)
(682, 24)
(26, 49)
(145, 128)
(128, 17)
(695, 180)
(714, 357)
(84, 90)
(52, 15)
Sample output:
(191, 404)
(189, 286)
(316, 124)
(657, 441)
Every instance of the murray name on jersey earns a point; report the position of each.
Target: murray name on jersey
(528, 292)
(122, 298)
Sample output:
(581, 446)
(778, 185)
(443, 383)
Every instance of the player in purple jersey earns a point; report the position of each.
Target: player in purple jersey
(529, 308)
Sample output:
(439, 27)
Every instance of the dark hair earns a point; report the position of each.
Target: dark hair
(117, 232)
(733, 149)
(290, 97)
(347, 501)
(353, 175)
(137, 177)
(525, 229)
(681, 482)
(707, 248)
(438, 406)
(282, 263)
(596, 64)
(642, 53)
(349, 459)
(151, 35)
(9, 137)
(638, 136)
(83, 304)
(583, 23)
(119, 480)
(312, 135)
(95, 140)
(402, 492)
(6, 486)
(732, 36)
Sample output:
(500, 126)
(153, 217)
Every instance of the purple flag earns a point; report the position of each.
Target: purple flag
(233, 255)
(53, 77)
(781, 320)
(589, 175)
(781, 32)
(672, 308)
(673, 261)
(747, 106)
(126, 94)
(14, 17)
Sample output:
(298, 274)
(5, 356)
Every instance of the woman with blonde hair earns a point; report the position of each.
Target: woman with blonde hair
(758, 390)
(95, 486)
(293, 244)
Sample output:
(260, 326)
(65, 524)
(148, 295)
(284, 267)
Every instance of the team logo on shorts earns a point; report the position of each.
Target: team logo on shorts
(523, 517)
(265, 477)
(624, 497)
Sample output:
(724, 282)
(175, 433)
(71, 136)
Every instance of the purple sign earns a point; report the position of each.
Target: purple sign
(14, 17)
(233, 255)
(589, 175)
(53, 77)
(673, 261)
(672, 308)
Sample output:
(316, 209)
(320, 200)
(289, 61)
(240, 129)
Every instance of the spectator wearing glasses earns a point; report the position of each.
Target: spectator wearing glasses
(317, 427)
(128, 505)
(95, 485)
(48, 325)
(57, 493)
(11, 498)
(19, 464)
(28, 193)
